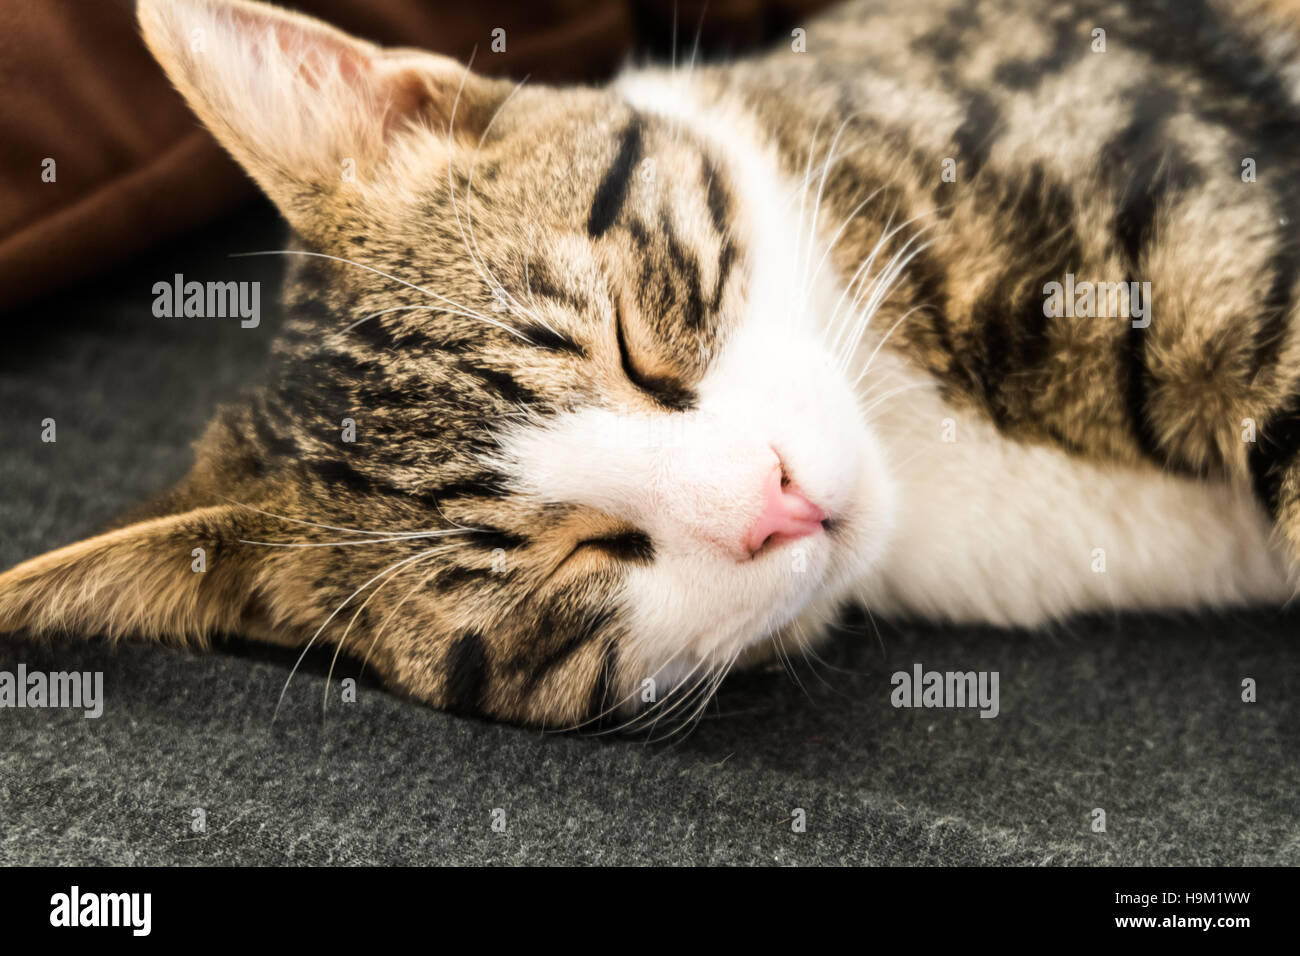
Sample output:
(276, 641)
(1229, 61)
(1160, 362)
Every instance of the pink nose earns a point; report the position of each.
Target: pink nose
(787, 514)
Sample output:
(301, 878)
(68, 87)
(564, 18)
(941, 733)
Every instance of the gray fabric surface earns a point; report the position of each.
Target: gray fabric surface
(1139, 716)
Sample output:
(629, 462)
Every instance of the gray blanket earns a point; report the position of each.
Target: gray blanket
(1139, 717)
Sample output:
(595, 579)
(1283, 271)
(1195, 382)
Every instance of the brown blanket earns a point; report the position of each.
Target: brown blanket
(99, 158)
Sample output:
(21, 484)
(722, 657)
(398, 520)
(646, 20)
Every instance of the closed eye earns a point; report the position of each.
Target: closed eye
(666, 391)
(633, 547)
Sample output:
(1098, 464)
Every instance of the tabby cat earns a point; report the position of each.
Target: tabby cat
(650, 379)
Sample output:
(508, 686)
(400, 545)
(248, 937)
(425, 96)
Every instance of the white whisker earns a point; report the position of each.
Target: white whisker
(301, 657)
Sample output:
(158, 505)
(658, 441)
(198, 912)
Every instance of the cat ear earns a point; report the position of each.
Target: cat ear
(175, 578)
(308, 110)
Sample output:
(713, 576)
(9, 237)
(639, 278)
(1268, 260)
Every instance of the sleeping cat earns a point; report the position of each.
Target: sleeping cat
(978, 312)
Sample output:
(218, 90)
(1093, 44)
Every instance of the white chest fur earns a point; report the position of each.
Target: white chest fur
(998, 531)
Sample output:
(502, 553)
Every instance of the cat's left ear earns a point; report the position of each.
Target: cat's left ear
(308, 110)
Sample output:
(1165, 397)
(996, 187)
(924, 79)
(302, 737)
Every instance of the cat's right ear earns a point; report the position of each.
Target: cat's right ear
(308, 110)
(178, 577)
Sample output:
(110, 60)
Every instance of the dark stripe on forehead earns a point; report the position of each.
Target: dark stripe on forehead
(726, 258)
(466, 675)
(340, 472)
(947, 41)
(455, 576)
(541, 282)
(489, 539)
(1068, 44)
(612, 191)
(269, 439)
(687, 267)
(334, 471)
(717, 197)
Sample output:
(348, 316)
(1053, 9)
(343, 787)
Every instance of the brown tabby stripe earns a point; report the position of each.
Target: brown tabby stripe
(1156, 171)
(687, 267)
(1275, 452)
(539, 667)
(977, 133)
(272, 442)
(726, 259)
(541, 282)
(502, 383)
(1028, 74)
(612, 191)
(717, 198)
(602, 698)
(467, 675)
(551, 340)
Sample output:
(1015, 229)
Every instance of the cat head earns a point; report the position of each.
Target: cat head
(552, 427)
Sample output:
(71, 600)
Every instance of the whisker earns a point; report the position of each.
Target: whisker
(878, 291)
(343, 640)
(636, 719)
(314, 524)
(346, 544)
(334, 613)
(677, 696)
(821, 187)
(351, 262)
(879, 345)
(911, 386)
(438, 308)
(612, 708)
(499, 288)
(707, 694)
(383, 625)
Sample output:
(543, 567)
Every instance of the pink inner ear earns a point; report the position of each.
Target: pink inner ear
(320, 52)
(399, 92)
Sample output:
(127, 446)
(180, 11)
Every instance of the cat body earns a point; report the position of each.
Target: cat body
(647, 380)
(985, 528)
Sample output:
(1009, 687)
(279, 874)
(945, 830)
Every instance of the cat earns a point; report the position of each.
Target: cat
(652, 379)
